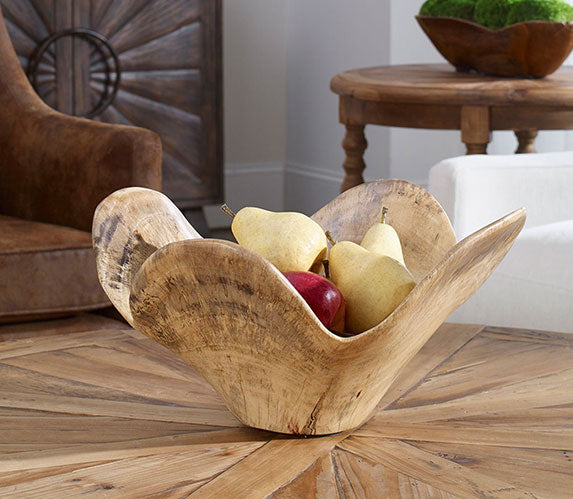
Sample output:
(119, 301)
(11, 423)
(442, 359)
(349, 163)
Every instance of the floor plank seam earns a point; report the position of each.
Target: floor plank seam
(339, 490)
(421, 380)
(216, 475)
(291, 480)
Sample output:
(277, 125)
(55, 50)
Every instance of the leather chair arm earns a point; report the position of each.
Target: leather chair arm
(56, 168)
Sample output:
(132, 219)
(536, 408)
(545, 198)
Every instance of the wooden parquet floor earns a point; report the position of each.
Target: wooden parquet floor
(106, 412)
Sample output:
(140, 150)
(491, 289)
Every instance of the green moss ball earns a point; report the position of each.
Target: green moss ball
(497, 14)
(539, 10)
(492, 13)
(463, 9)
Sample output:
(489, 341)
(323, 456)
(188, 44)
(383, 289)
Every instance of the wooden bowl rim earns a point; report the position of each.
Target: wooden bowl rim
(568, 24)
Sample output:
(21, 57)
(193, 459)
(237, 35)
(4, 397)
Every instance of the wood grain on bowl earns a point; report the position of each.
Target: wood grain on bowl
(533, 48)
(234, 317)
(127, 229)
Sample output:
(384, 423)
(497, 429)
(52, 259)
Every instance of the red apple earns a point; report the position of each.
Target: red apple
(322, 296)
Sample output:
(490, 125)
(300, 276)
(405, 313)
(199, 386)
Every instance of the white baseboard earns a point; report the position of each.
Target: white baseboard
(308, 188)
(321, 174)
(249, 184)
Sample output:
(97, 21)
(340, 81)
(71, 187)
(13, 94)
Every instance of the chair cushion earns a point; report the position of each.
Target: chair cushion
(46, 270)
(533, 285)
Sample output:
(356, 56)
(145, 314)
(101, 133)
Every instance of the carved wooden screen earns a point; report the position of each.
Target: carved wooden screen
(170, 78)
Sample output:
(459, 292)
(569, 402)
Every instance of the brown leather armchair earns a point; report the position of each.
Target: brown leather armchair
(54, 170)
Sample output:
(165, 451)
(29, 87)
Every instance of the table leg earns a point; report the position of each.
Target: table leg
(526, 141)
(354, 145)
(475, 129)
(476, 148)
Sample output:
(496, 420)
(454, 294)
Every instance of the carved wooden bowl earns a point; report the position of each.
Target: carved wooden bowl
(533, 48)
(234, 317)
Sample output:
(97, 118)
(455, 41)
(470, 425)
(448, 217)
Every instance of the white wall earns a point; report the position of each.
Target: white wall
(254, 61)
(254, 82)
(325, 37)
(414, 152)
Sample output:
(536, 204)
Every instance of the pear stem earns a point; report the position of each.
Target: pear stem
(227, 211)
(326, 265)
(384, 213)
(329, 237)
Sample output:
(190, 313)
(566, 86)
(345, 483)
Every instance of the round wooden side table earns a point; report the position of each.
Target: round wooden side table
(435, 96)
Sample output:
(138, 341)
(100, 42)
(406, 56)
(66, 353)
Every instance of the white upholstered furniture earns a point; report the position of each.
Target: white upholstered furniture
(533, 286)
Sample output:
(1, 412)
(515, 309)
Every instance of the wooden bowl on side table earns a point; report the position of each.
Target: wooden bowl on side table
(233, 316)
(527, 49)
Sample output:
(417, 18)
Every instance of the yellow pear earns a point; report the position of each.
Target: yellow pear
(381, 238)
(290, 241)
(373, 285)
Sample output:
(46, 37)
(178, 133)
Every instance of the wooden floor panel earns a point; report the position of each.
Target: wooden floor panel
(42, 329)
(270, 467)
(439, 349)
(545, 473)
(480, 412)
(546, 438)
(318, 480)
(429, 468)
(161, 475)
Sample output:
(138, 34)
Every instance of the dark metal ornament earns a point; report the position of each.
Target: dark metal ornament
(101, 43)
